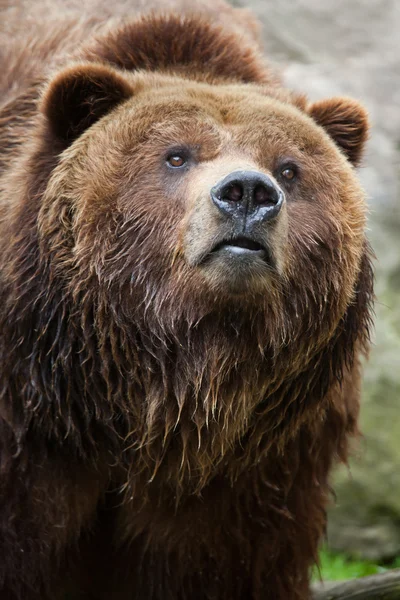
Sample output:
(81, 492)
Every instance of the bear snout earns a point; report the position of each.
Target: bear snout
(237, 232)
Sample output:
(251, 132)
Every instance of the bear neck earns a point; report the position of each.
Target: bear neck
(180, 405)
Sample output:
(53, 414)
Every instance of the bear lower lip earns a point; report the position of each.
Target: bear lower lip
(240, 251)
(241, 248)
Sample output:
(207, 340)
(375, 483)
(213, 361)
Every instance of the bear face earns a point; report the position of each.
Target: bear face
(144, 190)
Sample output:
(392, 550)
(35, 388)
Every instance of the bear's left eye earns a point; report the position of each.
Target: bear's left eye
(176, 161)
(288, 173)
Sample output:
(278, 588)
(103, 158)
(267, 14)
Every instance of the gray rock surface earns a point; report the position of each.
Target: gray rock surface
(352, 48)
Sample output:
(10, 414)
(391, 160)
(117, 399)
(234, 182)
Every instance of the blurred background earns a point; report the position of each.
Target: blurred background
(352, 47)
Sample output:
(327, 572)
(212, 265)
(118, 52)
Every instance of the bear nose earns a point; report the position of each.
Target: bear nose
(248, 194)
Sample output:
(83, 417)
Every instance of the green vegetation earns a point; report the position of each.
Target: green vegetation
(336, 567)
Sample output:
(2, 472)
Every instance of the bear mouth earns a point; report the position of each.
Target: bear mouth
(243, 247)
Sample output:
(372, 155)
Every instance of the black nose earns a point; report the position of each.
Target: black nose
(248, 194)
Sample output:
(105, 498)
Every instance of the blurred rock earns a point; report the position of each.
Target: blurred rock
(352, 48)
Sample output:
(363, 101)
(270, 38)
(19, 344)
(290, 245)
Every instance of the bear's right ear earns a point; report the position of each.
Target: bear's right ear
(80, 96)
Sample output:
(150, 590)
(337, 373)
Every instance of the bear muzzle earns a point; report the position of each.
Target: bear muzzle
(236, 231)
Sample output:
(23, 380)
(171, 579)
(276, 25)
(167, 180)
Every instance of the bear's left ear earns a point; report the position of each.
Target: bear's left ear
(80, 96)
(346, 121)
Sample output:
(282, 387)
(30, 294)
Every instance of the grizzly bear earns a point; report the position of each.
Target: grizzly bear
(185, 295)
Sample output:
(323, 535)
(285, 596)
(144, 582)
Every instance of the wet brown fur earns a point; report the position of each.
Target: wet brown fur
(160, 437)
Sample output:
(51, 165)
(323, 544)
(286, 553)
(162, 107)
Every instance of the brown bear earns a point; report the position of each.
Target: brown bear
(185, 293)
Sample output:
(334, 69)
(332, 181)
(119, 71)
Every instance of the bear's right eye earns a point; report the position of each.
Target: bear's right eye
(176, 161)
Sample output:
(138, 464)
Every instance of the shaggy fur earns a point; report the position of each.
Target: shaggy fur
(168, 422)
